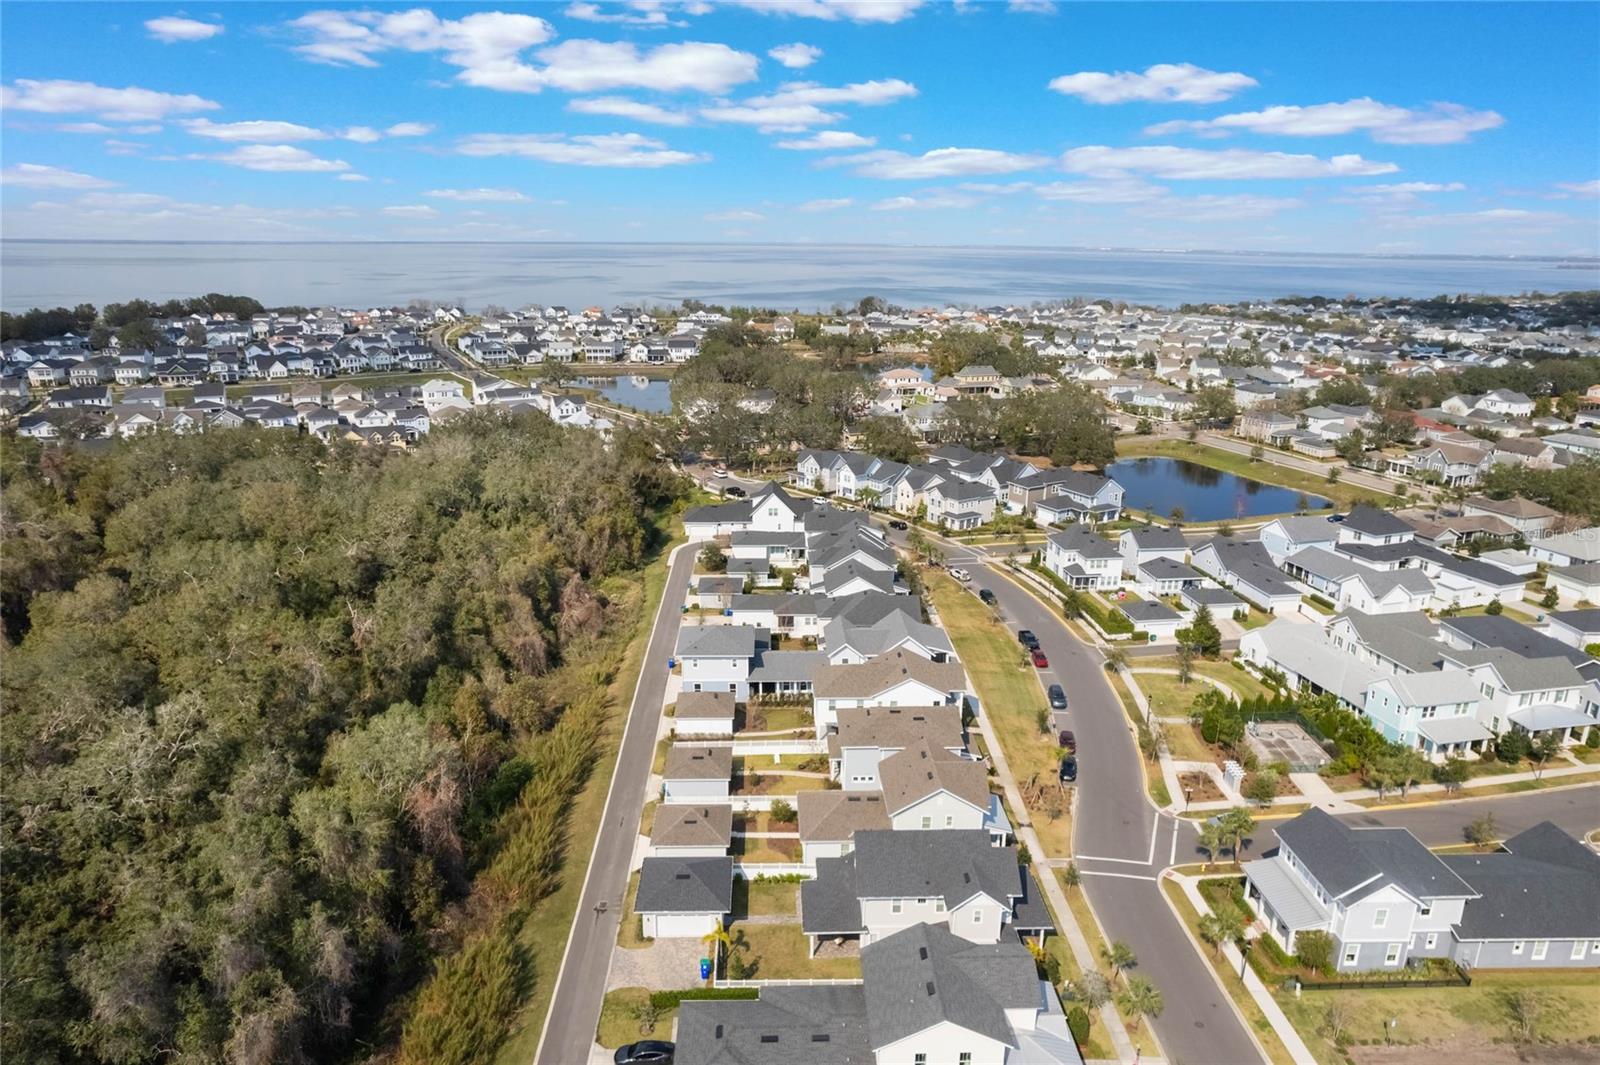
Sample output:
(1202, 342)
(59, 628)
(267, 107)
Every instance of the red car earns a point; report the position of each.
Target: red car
(1039, 660)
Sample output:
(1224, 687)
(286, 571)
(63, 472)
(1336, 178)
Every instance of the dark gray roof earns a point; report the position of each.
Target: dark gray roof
(1081, 540)
(792, 666)
(1544, 887)
(828, 902)
(685, 885)
(1509, 635)
(1250, 563)
(1031, 913)
(1215, 598)
(1147, 610)
(1405, 637)
(1345, 859)
(925, 975)
(721, 513)
(1581, 620)
(824, 1025)
(869, 608)
(719, 641)
(953, 864)
(1374, 522)
(1155, 538)
(1165, 569)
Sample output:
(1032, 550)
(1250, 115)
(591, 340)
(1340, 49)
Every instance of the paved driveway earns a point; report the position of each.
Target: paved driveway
(662, 966)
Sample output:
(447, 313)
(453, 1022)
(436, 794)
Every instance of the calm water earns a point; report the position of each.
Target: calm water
(805, 277)
(1157, 485)
(650, 394)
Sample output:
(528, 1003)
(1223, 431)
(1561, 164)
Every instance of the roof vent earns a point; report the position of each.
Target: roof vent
(929, 986)
(769, 1039)
(718, 1032)
(922, 952)
(680, 876)
(820, 1037)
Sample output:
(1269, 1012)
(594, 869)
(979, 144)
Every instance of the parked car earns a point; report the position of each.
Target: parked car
(1067, 741)
(1336, 518)
(1027, 639)
(987, 596)
(960, 574)
(1039, 660)
(1069, 769)
(722, 470)
(1058, 697)
(735, 491)
(645, 1052)
(896, 523)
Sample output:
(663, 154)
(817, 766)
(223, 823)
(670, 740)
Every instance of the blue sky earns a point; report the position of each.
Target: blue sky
(1384, 128)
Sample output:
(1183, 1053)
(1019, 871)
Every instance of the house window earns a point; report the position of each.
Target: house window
(1351, 954)
(922, 902)
(919, 1059)
(1391, 956)
(964, 1058)
(1427, 910)
(1516, 948)
(894, 907)
(1541, 947)
(1433, 940)
(1579, 949)
(949, 820)
(927, 822)
(977, 916)
(938, 905)
(1380, 919)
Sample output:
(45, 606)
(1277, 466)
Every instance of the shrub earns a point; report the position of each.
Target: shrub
(1078, 1025)
(1592, 740)
(782, 811)
(666, 1000)
(1494, 609)
(1314, 950)
(1513, 747)
(463, 1012)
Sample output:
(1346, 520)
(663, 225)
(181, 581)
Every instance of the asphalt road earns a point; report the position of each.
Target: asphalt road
(1120, 842)
(580, 984)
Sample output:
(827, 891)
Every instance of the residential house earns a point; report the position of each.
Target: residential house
(1531, 520)
(718, 657)
(691, 831)
(898, 678)
(1289, 535)
(1150, 542)
(694, 773)
(683, 898)
(701, 714)
(1083, 559)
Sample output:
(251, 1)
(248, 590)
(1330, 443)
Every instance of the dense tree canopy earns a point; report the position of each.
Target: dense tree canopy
(967, 347)
(274, 711)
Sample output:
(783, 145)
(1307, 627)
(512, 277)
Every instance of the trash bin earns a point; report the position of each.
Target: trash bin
(705, 968)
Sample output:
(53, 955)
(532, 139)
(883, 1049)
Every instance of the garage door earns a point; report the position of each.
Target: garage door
(679, 926)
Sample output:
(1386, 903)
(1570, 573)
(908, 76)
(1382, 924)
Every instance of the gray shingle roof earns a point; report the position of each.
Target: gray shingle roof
(925, 975)
(718, 641)
(836, 816)
(689, 762)
(692, 826)
(785, 1026)
(1155, 538)
(692, 705)
(1544, 888)
(920, 770)
(1374, 522)
(685, 885)
(1148, 610)
(1346, 859)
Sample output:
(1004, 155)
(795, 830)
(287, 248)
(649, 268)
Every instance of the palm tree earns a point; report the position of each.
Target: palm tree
(1212, 839)
(715, 940)
(1223, 926)
(1119, 956)
(1237, 824)
(1140, 999)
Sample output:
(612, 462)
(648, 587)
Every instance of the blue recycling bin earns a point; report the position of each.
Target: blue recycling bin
(672, 663)
(705, 968)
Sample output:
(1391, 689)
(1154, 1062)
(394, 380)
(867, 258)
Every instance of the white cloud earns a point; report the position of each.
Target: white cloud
(834, 10)
(1440, 123)
(735, 216)
(278, 158)
(649, 13)
(409, 129)
(484, 195)
(1163, 83)
(170, 29)
(592, 66)
(1186, 164)
(622, 107)
(152, 127)
(939, 199)
(1115, 191)
(131, 104)
(829, 140)
(796, 56)
(148, 216)
(84, 127)
(1032, 7)
(354, 177)
(256, 131)
(1403, 192)
(814, 206)
(413, 210)
(770, 117)
(120, 147)
(488, 48)
(1586, 190)
(629, 150)
(991, 188)
(939, 163)
(865, 93)
(361, 134)
(38, 176)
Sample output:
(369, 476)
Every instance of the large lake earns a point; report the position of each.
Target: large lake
(804, 277)
(1156, 485)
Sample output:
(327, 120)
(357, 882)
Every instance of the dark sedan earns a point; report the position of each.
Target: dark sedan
(1069, 769)
(1027, 639)
(1058, 697)
(644, 1052)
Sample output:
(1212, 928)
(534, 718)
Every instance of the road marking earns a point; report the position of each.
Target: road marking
(1120, 876)
(1093, 858)
(1155, 830)
(1172, 859)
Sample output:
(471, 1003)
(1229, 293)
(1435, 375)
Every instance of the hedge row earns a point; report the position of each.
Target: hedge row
(667, 1000)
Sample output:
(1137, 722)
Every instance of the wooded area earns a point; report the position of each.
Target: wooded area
(291, 732)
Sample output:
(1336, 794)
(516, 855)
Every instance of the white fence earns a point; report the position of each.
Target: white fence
(754, 803)
(751, 870)
(777, 748)
(785, 983)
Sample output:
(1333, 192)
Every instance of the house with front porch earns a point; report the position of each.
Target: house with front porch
(898, 678)
(1083, 559)
(717, 658)
(957, 504)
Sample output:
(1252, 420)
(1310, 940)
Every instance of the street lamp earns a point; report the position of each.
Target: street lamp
(1188, 790)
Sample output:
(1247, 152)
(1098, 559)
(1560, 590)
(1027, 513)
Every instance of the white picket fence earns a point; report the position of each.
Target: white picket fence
(778, 748)
(785, 983)
(744, 804)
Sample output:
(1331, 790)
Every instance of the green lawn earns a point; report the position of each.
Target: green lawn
(766, 850)
(1185, 744)
(1012, 698)
(778, 952)
(763, 898)
(1167, 697)
(630, 935)
(619, 1023)
(1476, 1014)
(1238, 681)
(1264, 471)
(759, 718)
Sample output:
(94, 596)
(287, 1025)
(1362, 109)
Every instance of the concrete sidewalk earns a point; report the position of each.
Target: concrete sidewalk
(1347, 798)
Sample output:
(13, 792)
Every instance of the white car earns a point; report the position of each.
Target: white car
(960, 574)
